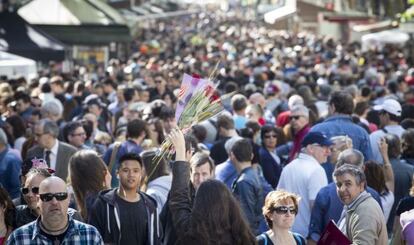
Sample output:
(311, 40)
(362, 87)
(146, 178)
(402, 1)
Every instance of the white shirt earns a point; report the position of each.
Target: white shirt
(375, 137)
(53, 155)
(303, 176)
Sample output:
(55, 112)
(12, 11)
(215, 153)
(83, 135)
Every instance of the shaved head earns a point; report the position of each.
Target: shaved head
(57, 183)
(53, 203)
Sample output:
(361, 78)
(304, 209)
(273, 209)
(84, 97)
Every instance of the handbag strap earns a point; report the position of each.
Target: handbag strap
(113, 156)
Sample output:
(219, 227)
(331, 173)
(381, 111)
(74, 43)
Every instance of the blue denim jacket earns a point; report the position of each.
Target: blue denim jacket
(226, 173)
(249, 191)
(342, 125)
(328, 207)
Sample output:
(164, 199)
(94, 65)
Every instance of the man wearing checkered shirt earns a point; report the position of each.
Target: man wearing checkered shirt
(54, 226)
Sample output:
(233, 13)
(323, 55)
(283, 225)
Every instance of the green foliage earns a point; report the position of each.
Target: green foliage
(408, 14)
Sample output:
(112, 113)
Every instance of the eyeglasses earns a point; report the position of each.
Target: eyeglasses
(270, 136)
(38, 135)
(80, 134)
(285, 209)
(295, 117)
(34, 190)
(47, 197)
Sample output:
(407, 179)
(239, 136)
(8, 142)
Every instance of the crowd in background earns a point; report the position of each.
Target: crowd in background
(315, 130)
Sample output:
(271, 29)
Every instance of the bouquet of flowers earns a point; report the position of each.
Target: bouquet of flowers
(198, 100)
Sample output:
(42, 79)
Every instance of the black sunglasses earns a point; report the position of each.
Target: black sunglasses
(284, 210)
(60, 196)
(270, 136)
(34, 190)
(294, 117)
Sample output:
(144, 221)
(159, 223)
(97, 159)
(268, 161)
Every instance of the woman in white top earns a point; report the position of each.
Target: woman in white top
(381, 178)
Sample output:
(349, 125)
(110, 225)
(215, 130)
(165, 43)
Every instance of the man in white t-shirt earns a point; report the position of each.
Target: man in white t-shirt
(389, 113)
(305, 176)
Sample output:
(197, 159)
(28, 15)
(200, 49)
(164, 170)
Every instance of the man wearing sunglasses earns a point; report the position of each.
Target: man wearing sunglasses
(54, 224)
(299, 123)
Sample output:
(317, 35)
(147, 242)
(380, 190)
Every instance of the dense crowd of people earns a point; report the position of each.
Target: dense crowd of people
(314, 130)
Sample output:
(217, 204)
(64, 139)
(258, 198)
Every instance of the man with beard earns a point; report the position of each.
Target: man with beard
(124, 215)
(55, 226)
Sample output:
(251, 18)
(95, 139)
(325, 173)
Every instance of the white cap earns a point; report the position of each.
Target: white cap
(295, 100)
(391, 106)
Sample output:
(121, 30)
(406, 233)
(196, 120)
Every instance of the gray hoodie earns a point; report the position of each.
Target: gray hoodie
(159, 189)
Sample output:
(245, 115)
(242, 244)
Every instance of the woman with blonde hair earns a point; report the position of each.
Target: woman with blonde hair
(88, 176)
(280, 210)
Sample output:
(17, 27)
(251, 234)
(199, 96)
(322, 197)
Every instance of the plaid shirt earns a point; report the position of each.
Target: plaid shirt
(77, 233)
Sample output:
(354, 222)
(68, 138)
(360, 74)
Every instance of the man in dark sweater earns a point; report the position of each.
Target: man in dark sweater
(123, 215)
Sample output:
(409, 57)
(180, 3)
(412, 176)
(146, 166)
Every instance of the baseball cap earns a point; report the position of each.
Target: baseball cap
(316, 138)
(391, 106)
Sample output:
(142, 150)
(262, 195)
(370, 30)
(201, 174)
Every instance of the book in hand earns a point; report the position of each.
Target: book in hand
(333, 236)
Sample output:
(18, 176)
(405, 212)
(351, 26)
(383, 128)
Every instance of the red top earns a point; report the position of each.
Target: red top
(297, 141)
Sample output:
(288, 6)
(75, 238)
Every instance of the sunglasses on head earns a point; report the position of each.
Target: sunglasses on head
(285, 209)
(34, 190)
(294, 117)
(60, 196)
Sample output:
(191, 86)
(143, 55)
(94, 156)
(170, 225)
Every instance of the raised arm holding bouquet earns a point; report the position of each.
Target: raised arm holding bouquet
(198, 100)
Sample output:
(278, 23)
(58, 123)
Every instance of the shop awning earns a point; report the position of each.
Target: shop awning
(89, 22)
(14, 66)
(377, 26)
(281, 12)
(19, 37)
(379, 39)
(346, 16)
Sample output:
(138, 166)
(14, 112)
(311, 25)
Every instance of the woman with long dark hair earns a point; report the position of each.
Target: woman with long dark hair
(88, 175)
(156, 131)
(7, 212)
(268, 157)
(18, 131)
(215, 218)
